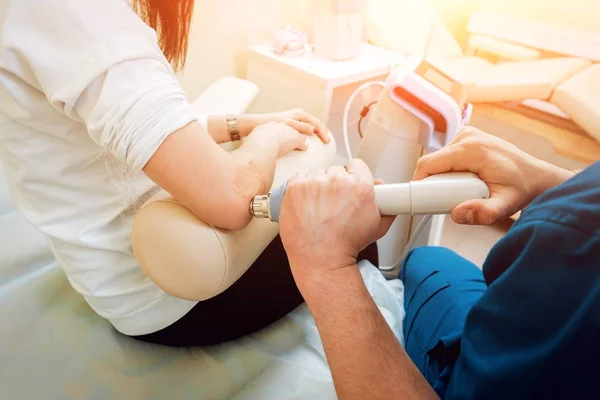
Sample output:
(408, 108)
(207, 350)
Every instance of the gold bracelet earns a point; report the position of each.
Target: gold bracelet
(233, 128)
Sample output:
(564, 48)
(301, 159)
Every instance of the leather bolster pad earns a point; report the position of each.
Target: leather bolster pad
(192, 260)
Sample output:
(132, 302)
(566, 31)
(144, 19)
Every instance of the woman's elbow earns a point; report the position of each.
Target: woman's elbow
(237, 223)
(234, 215)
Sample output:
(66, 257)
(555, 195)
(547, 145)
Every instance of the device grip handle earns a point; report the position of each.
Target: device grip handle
(437, 194)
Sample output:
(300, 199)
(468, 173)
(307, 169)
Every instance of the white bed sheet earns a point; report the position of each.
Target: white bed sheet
(302, 372)
(52, 346)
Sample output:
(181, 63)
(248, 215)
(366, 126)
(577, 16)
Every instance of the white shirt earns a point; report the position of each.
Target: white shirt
(86, 98)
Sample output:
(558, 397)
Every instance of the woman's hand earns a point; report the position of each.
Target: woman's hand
(328, 217)
(514, 177)
(287, 138)
(298, 119)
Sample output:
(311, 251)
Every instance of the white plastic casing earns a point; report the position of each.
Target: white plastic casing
(395, 139)
(438, 194)
(435, 98)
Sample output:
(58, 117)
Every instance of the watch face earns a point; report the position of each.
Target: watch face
(442, 81)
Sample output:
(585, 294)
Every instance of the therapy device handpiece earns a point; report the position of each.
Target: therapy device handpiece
(438, 194)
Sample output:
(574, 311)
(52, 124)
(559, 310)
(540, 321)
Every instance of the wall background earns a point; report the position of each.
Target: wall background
(221, 28)
(216, 51)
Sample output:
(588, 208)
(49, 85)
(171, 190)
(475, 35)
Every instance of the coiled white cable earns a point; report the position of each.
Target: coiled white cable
(347, 113)
(409, 246)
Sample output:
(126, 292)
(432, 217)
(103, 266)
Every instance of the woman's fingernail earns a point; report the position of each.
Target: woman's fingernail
(470, 217)
(316, 131)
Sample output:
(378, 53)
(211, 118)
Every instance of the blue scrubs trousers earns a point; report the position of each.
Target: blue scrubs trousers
(528, 325)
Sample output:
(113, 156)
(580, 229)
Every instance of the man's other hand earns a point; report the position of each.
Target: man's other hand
(514, 177)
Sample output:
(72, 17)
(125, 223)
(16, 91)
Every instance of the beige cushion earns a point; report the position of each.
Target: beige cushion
(545, 107)
(579, 97)
(190, 259)
(517, 81)
(503, 49)
(466, 70)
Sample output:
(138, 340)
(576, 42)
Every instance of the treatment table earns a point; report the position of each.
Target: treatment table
(53, 346)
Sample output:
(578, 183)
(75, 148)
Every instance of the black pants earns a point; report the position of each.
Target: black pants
(264, 294)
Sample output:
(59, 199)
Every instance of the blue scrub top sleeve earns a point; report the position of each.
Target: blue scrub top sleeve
(535, 332)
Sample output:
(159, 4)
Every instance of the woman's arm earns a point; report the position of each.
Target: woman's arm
(217, 127)
(297, 119)
(108, 73)
(218, 186)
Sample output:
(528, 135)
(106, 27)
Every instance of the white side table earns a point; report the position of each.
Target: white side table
(318, 85)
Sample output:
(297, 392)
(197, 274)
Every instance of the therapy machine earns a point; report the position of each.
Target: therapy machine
(420, 110)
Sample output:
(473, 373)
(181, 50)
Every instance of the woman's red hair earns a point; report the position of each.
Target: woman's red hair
(171, 19)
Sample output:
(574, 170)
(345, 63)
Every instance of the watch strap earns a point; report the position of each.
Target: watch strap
(233, 128)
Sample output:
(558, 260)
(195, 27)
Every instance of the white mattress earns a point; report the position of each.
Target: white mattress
(52, 346)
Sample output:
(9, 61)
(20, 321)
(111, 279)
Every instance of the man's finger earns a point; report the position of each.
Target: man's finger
(445, 160)
(297, 179)
(360, 169)
(466, 132)
(336, 170)
(479, 212)
(317, 173)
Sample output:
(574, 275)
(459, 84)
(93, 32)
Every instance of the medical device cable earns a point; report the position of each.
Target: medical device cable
(427, 219)
(363, 114)
(409, 245)
(346, 115)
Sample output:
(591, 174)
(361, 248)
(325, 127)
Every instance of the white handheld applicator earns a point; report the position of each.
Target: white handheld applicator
(438, 194)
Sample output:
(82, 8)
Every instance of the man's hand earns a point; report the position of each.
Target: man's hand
(514, 177)
(328, 217)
